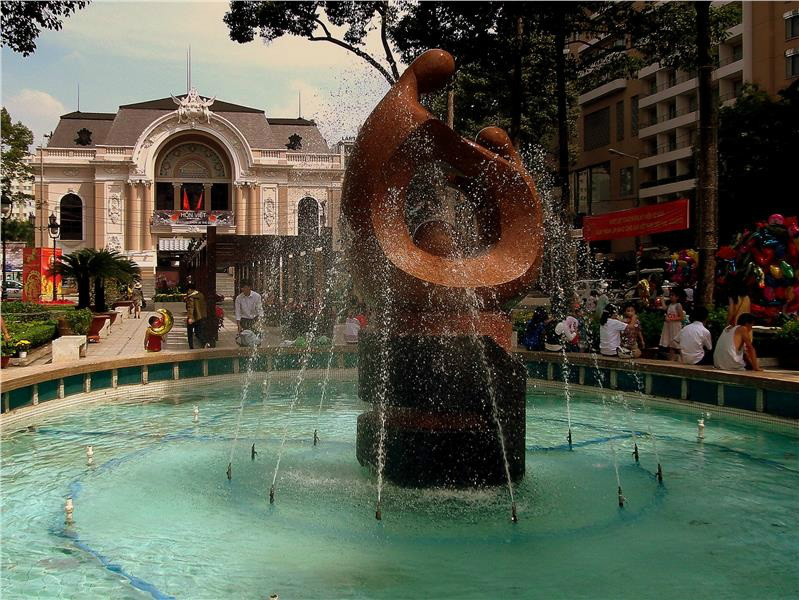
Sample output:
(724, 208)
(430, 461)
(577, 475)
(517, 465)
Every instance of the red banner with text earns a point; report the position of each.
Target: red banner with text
(657, 218)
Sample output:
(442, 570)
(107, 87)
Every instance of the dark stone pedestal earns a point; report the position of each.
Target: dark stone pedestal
(440, 428)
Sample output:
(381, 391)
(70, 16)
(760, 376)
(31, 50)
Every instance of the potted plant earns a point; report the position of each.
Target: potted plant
(22, 348)
(788, 343)
(7, 351)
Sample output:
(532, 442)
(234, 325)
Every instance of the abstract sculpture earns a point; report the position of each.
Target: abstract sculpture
(439, 363)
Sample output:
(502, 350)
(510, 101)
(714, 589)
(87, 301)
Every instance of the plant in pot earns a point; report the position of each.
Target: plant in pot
(788, 343)
(22, 348)
(7, 351)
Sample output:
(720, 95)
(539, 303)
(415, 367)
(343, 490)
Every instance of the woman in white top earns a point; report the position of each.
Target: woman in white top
(610, 330)
(673, 323)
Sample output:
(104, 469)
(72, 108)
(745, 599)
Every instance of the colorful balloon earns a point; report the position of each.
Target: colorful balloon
(775, 271)
(776, 219)
(786, 269)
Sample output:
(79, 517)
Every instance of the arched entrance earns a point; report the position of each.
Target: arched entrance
(308, 217)
(193, 173)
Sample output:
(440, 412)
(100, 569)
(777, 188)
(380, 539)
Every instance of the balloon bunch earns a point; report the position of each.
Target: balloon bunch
(681, 268)
(763, 264)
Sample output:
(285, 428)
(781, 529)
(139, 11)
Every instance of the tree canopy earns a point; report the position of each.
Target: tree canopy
(24, 21)
(757, 157)
(312, 20)
(15, 141)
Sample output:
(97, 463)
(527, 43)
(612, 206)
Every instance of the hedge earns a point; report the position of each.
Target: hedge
(36, 332)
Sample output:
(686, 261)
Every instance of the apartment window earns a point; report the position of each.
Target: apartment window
(737, 52)
(634, 116)
(737, 87)
(791, 62)
(626, 181)
(672, 78)
(671, 144)
(692, 105)
(671, 111)
(791, 24)
(581, 190)
(600, 183)
(596, 129)
(620, 121)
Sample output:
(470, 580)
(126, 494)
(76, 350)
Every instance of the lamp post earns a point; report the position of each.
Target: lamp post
(53, 229)
(6, 213)
(636, 175)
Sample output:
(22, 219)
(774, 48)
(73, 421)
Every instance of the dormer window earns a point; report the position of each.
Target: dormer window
(295, 142)
(84, 137)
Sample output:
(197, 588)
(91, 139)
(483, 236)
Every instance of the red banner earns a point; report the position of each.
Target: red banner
(37, 282)
(657, 218)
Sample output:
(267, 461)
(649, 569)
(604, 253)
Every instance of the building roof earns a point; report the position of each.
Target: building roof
(124, 127)
(169, 104)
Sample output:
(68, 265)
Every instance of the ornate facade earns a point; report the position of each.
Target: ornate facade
(155, 174)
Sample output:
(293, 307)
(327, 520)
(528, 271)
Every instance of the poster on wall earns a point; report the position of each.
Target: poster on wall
(37, 282)
(13, 258)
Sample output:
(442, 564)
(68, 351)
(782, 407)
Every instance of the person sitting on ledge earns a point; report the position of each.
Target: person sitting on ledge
(735, 343)
(152, 341)
(610, 332)
(694, 339)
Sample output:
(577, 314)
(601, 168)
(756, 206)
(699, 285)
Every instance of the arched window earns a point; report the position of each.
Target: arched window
(308, 217)
(71, 218)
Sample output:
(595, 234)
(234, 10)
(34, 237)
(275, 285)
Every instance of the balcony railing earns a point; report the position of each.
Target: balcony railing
(668, 84)
(668, 116)
(193, 218)
(329, 161)
(665, 180)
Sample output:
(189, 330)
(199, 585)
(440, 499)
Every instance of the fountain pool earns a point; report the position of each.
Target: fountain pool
(155, 516)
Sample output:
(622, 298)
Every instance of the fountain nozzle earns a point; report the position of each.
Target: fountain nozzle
(272, 495)
(513, 517)
(89, 455)
(253, 452)
(569, 438)
(196, 414)
(229, 471)
(660, 474)
(700, 433)
(621, 498)
(68, 510)
(378, 512)
(635, 451)
(315, 437)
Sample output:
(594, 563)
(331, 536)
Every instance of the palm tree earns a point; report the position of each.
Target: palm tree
(100, 265)
(109, 264)
(77, 266)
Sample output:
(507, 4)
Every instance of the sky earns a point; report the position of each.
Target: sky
(125, 52)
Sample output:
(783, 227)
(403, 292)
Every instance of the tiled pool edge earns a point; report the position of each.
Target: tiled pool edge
(51, 390)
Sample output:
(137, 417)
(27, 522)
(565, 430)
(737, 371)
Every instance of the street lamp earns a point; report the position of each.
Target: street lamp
(636, 181)
(53, 229)
(6, 201)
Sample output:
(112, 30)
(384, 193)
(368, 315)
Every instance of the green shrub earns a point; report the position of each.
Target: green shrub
(651, 326)
(36, 332)
(169, 297)
(716, 322)
(79, 321)
(788, 337)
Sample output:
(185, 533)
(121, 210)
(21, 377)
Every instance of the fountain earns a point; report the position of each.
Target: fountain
(435, 362)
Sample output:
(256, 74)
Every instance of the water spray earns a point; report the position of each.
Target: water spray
(315, 437)
(621, 498)
(89, 455)
(229, 471)
(635, 451)
(700, 433)
(196, 414)
(69, 508)
(253, 452)
(513, 517)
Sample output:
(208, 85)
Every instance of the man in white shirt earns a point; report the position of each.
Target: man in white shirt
(249, 308)
(694, 339)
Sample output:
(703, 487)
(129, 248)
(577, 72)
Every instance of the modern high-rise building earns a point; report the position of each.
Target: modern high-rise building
(636, 136)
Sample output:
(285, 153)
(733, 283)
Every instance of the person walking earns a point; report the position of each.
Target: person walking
(196, 313)
(249, 308)
(137, 296)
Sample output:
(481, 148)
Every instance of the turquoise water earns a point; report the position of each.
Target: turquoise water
(157, 517)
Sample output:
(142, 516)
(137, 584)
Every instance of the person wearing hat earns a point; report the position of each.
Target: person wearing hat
(196, 313)
(137, 295)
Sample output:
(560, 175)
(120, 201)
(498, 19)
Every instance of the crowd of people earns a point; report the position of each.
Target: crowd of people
(684, 336)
